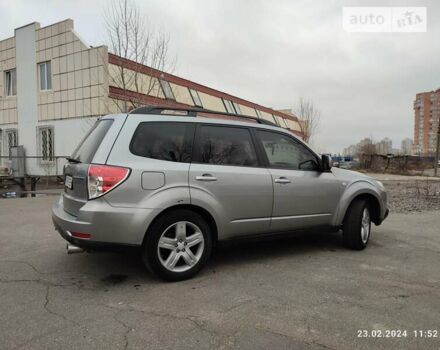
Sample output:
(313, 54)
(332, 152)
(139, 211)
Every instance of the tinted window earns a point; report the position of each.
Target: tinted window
(284, 152)
(164, 141)
(88, 146)
(226, 146)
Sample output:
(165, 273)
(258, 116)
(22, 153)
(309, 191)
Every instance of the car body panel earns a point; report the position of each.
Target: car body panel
(242, 196)
(309, 199)
(357, 184)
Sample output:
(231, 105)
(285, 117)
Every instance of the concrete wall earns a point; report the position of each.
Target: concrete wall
(27, 111)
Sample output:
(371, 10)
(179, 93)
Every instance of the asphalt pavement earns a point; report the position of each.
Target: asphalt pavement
(303, 292)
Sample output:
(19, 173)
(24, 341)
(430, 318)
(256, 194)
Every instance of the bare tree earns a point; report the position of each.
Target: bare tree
(366, 151)
(309, 117)
(130, 36)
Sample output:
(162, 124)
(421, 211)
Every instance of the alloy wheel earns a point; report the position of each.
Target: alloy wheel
(180, 246)
(365, 225)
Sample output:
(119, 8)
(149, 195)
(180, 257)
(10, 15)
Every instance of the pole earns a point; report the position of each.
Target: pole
(437, 151)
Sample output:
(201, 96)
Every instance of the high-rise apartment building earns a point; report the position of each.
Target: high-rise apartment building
(426, 122)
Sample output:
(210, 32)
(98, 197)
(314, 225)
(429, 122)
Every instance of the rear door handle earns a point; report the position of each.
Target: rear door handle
(282, 180)
(206, 177)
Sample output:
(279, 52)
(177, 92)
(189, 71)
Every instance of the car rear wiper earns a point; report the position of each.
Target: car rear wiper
(73, 160)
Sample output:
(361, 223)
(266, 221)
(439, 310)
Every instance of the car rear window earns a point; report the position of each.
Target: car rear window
(89, 145)
(164, 141)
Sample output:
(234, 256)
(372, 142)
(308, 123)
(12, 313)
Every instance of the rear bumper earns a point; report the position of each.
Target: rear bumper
(108, 226)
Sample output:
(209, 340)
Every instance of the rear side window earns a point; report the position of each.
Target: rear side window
(164, 141)
(226, 146)
(89, 145)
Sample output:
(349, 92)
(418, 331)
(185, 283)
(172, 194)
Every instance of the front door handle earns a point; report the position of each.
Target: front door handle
(282, 180)
(206, 177)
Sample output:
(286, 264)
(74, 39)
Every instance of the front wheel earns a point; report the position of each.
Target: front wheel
(178, 245)
(357, 225)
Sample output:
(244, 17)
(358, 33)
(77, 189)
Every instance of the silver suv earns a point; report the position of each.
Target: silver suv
(173, 184)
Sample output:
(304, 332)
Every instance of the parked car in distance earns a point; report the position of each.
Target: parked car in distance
(174, 185)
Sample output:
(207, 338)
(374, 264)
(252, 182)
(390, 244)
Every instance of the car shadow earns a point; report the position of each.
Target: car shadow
(122, 269)
(242, 251)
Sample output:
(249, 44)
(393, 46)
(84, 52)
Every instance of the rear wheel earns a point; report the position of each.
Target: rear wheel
(178, 245)
(357, 225)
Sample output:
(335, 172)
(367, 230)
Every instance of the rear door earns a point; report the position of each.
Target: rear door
(76, 170)
(228, 178)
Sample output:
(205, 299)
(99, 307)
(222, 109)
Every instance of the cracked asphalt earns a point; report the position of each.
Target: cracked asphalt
(302, 292)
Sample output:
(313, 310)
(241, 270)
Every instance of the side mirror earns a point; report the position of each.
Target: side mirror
(326, 163)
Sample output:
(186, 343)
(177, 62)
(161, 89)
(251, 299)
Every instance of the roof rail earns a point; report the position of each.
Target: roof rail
(192, 112)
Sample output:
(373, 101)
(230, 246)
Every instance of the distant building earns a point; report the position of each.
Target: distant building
(426, 122)
(385, 146)
(350, 151)
(367, 145)
(406, 146)
(53, 87)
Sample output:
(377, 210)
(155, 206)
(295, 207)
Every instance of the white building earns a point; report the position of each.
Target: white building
(406, 146)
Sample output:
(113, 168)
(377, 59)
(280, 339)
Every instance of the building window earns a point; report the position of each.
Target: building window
(11, 140)
(283, 122)
(195, 97)
(229, 106)
(11, 82)
(45, 136)
(166, 88)
(237, 108)
(45, 76)
(275, 119)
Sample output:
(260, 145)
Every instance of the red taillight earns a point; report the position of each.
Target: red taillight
(103, 178)
(81, 235)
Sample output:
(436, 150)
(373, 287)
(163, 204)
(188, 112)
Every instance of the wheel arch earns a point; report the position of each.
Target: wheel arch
(373, 205)
(197, 209)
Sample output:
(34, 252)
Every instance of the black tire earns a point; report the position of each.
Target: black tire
(352, 227)
(150, 252)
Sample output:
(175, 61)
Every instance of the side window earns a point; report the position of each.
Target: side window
(164, 141)
(223, 145)
(284, 152)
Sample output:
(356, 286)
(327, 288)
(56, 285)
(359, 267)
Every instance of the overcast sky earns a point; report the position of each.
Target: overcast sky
(272, 52)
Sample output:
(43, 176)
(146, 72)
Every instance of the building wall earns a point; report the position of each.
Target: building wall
(27, 111)
(8, 104)
(128, 79)
(79, 79)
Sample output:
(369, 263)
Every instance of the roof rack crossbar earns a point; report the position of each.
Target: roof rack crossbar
(192, 112)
